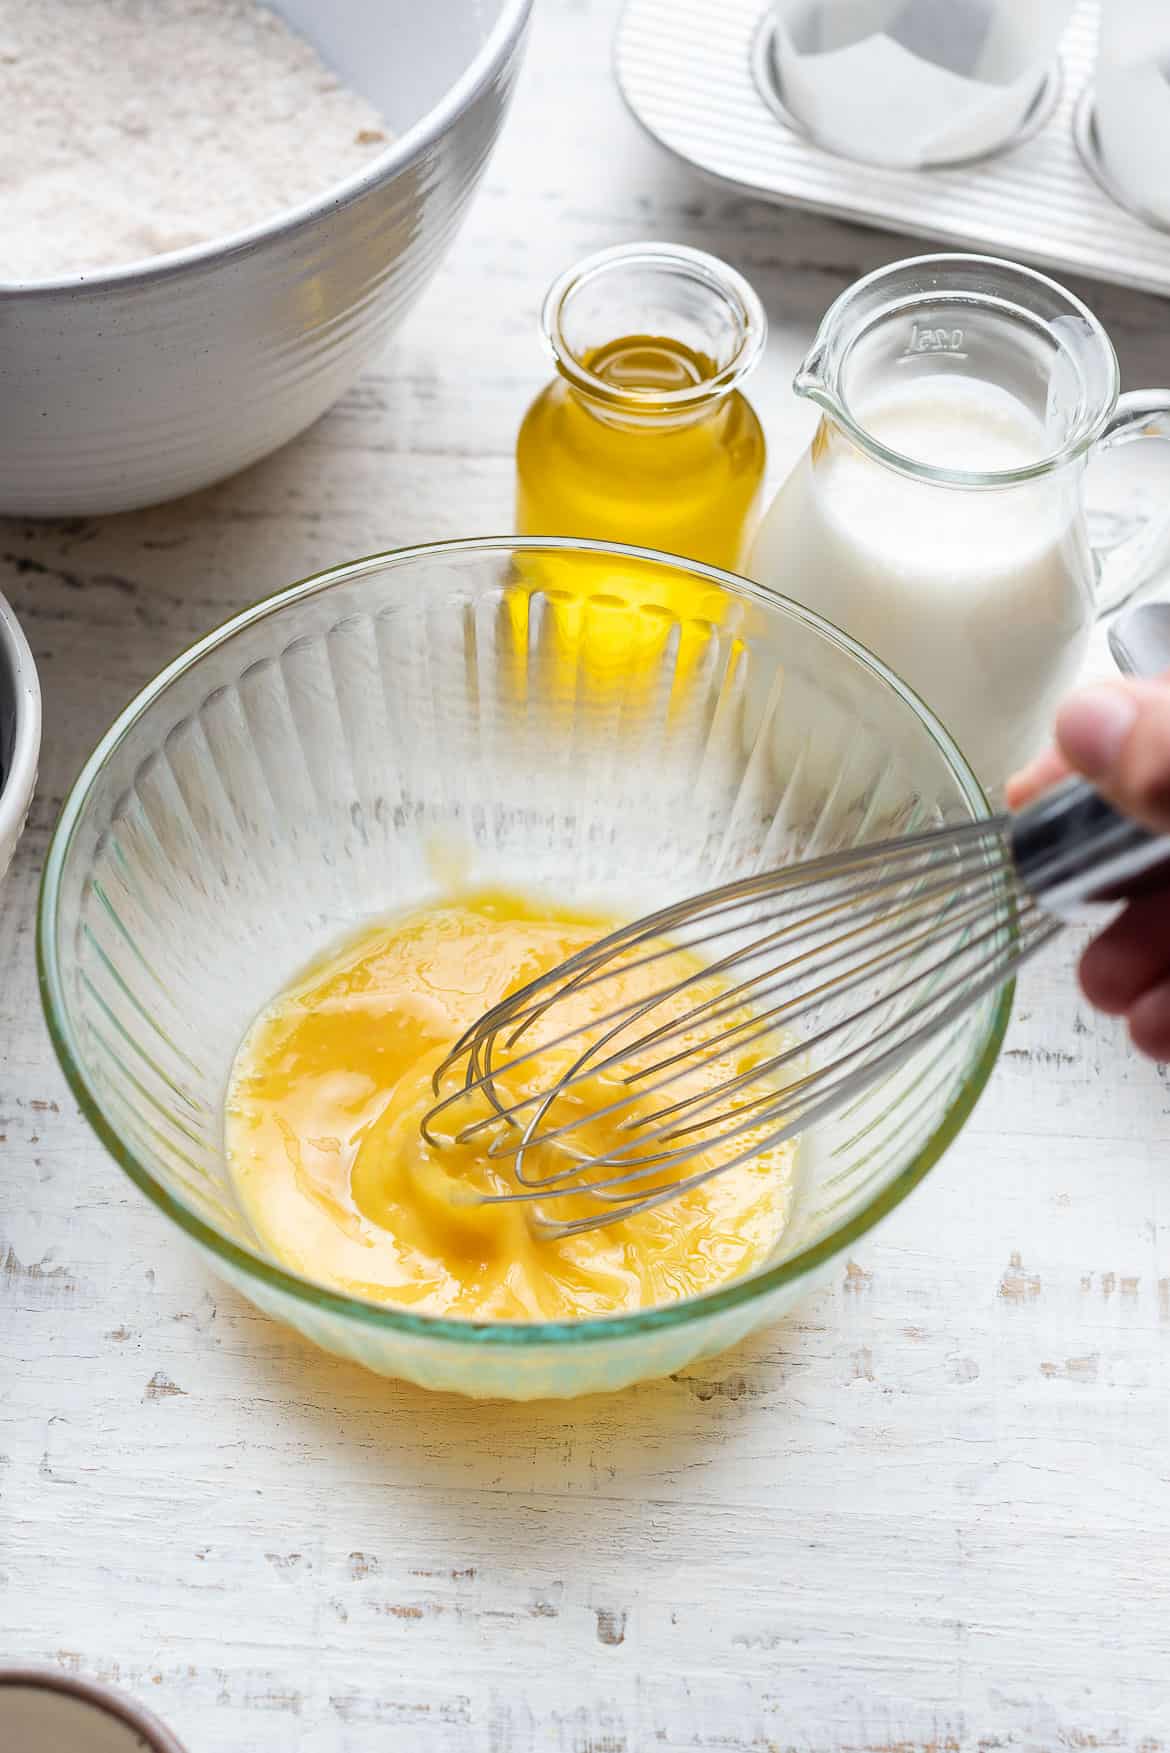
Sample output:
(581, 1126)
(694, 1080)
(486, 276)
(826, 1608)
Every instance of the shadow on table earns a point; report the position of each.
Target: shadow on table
(629, 1444)
(106, 602)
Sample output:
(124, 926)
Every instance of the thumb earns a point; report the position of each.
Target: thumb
(1118, 737)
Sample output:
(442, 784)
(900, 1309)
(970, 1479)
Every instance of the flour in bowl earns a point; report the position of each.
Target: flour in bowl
(131, 128)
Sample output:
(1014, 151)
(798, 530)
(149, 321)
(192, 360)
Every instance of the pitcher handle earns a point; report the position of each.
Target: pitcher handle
(1140, 557)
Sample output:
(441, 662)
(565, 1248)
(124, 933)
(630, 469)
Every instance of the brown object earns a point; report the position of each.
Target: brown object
(108, 1710)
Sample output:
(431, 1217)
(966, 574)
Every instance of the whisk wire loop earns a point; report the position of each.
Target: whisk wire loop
(794, 993)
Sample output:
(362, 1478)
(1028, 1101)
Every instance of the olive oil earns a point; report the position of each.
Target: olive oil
(656, 462)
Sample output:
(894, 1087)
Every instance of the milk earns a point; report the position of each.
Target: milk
(980, 599)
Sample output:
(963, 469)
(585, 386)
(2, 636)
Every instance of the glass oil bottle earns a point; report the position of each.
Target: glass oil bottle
(644, 435)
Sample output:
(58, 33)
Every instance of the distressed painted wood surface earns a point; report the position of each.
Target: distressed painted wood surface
(931, 1514)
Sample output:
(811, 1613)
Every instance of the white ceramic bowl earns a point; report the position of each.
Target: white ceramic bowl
(20, 732)
(134, 385)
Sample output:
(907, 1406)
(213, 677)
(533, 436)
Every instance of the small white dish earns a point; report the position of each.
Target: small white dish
(20, 736)
(44, 1711)
(1139, 639)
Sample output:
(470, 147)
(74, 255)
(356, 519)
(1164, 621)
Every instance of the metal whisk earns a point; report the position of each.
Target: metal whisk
(727, 1023)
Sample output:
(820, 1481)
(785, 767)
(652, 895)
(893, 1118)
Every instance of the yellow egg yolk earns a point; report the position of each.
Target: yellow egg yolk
(323, 1116)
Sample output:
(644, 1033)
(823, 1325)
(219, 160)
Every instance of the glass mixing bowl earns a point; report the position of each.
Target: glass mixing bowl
(486, 707)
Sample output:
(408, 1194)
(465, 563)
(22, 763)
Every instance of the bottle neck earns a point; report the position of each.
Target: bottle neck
(643, 377)
(653, 336)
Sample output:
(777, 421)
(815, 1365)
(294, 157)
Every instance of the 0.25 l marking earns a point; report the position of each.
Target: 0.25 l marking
(924, 340)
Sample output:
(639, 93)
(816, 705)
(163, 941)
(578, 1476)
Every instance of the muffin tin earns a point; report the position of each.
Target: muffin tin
(710, 95)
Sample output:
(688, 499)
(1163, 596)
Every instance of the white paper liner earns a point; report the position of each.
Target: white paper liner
(915, 82)
(1132, 102)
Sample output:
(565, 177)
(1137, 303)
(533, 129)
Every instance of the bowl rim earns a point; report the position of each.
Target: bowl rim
(19, 782)
(402, 152)
(388, 1317)
(108, 1700)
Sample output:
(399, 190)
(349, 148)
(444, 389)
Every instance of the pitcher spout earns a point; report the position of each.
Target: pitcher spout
(812, 380)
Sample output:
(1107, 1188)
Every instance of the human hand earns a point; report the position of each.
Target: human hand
(1117, 736)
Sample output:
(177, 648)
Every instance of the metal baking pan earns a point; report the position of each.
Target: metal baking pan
(700, 77)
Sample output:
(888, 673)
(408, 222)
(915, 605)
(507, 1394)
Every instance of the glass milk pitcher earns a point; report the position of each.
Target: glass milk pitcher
(939, 515)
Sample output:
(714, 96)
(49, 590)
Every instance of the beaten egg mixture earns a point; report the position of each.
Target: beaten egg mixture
(323, 1115)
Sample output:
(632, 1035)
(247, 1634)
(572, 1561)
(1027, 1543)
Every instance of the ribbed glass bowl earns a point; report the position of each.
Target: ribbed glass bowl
(610, 726)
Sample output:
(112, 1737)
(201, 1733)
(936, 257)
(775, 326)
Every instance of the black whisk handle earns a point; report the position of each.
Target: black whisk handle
(1071, 848)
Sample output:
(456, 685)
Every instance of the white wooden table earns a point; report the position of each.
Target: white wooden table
(931, 1514)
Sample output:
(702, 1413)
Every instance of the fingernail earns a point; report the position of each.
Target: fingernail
(1092, 726)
